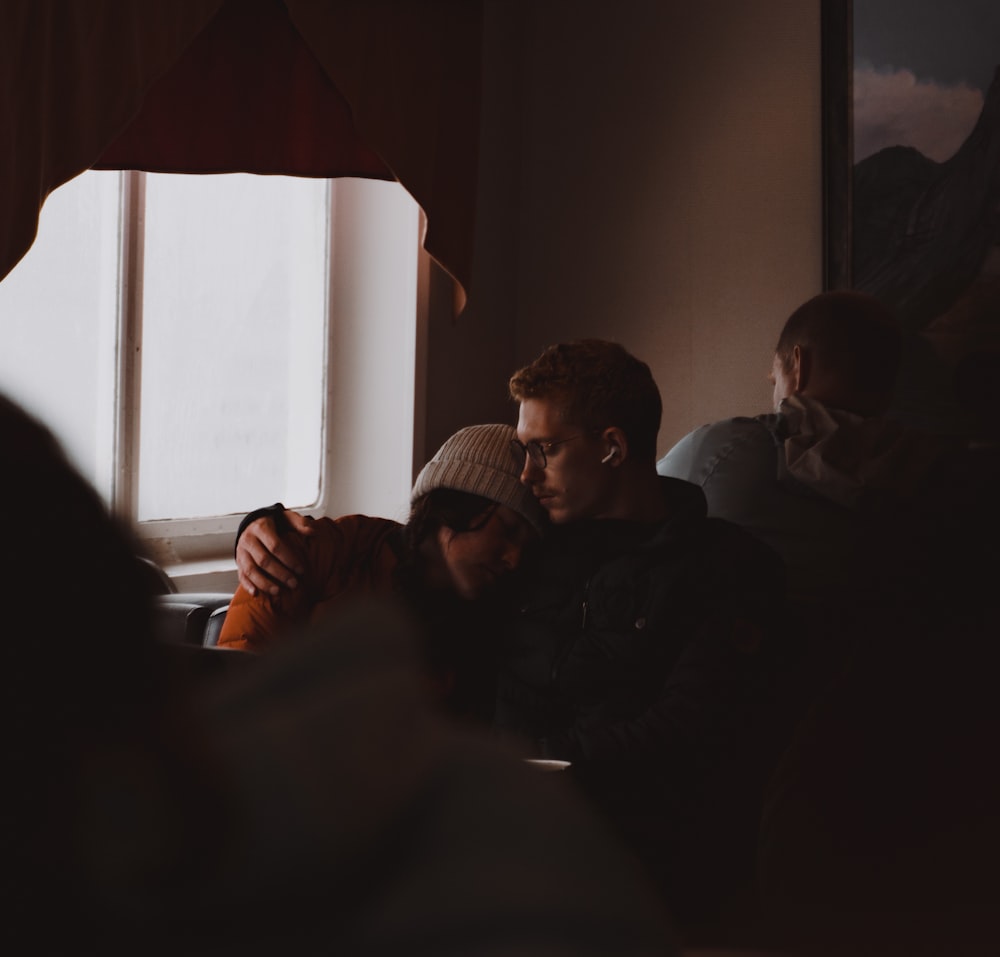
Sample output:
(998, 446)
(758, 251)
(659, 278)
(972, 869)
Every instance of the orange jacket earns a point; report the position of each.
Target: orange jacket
(348, 557)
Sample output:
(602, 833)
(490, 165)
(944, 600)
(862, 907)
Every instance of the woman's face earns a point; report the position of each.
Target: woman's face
(477, 559)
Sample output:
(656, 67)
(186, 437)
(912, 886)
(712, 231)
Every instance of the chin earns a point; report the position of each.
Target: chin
(559, 516)
(474, 590)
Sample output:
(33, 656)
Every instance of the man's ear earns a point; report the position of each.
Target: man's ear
(801, 371)
(615, 446)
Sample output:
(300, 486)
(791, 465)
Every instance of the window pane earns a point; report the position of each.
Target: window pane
(234, 333)
(57, 314)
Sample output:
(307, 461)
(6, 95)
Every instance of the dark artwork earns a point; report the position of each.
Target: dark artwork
(923, 232)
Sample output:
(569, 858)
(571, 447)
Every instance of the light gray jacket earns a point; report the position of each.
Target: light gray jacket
(807, 481)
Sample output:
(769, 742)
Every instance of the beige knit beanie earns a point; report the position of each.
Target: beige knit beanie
(478, 459)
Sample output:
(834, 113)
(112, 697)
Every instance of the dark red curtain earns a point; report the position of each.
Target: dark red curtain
(384, 89)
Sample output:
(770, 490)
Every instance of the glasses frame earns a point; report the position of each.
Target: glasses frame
(537, 452)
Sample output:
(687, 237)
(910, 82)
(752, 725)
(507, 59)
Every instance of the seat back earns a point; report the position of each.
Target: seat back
(190, 618)
(159, 582)
(214, 625)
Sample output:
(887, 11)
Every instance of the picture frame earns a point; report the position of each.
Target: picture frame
(911, 180)
(837, 92)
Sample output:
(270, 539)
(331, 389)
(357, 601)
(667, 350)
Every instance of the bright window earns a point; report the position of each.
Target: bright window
(183, 336)
(234, 297)
(58, 312)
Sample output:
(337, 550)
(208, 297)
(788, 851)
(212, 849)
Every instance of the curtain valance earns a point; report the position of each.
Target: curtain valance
(384, 89)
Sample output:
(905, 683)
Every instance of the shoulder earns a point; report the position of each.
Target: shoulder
(715, 566)
(336, 538)
(729, 538)
(745, 563)
(694, 522)
(682, 494)
(733, 545)
(355, 526)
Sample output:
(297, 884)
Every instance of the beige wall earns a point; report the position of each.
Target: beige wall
(651, 173)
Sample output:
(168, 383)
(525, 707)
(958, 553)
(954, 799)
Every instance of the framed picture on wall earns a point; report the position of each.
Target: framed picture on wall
(911, 125)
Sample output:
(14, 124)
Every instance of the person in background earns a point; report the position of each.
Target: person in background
(470, 521)
(880, 832)
(316, 802)
(826, 479)
(636, 646)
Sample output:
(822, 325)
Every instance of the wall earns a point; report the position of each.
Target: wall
(650, 173)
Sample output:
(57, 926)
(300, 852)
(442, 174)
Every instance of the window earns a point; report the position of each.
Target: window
(187, 338)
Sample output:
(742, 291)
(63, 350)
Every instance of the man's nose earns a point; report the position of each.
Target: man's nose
(530, 473)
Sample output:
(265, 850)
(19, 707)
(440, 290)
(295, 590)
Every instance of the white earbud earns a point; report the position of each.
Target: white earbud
(607, 458)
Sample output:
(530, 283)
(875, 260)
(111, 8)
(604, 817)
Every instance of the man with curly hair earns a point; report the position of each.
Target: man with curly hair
(639, 652)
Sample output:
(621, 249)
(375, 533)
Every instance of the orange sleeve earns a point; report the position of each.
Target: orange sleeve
(257, 622)
(252, 623)
(344, 556)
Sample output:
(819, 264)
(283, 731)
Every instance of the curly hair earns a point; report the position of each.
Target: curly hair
(596, 384)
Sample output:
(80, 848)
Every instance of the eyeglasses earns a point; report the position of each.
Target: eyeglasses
(537, 451)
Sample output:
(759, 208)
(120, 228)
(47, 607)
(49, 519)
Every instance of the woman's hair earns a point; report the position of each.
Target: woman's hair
(445, 508)
(434, 510)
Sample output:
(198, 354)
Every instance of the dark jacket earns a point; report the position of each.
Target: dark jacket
(640, 654)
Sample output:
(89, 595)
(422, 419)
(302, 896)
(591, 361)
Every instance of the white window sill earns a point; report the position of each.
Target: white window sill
(208, 575)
